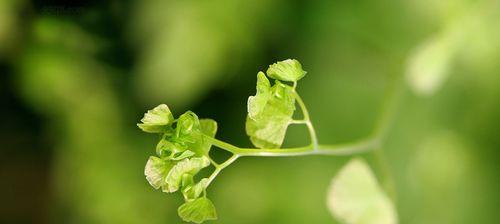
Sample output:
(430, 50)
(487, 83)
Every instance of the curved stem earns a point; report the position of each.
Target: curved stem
(307, 121)
(370, 143)
(333, 149)
(220, 167)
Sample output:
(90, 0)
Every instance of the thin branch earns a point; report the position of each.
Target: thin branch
(307, 119)
(221, 167)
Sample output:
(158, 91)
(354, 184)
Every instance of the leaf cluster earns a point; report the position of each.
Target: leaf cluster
(181, 153)
(270, 111)
(185, 142)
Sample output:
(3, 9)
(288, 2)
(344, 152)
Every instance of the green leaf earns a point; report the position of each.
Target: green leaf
(209, 128)
(183, 155)
(356, 198)
(257, 103)
(187, 124)
(165, 145)
(267, 129)
(187, 166)
(156, 171)
(189, 133)
(157, 119)
(287, 70)
(429, 65)
(198, 210)
(193, 191)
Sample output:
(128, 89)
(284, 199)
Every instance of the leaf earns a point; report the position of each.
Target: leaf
(156, 171)
(155, 120)
(208, 127)
(356, 198)
(183, 155)
(187, 124)
(165, 145)
(189, 133)
(287, 70)
(194, 190)
(257, 103)
(187, 166)
(429, 65)
(267, 129)
(198, 210)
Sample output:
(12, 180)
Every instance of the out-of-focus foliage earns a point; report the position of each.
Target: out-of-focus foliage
(65, 82)
(464, 33)
(355, 196)
(85, 78)
(185, 47)
(9, 25)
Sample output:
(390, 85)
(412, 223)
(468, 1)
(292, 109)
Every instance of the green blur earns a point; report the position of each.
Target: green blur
(77, 79)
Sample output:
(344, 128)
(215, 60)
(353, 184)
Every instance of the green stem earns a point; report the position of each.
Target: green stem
(220, 167)
(370, 143)
(333, 149)
(307, 121)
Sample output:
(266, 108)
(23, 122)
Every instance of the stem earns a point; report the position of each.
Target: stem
(307, 121)
(334, 149)
(220, 167)
(213, 162)
(298, 122)
(372, 142)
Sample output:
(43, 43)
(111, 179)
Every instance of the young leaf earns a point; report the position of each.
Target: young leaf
(198, 210)
(267, 129)
(187, 125)
(257, 103)
(165, 145)
(189, 133)
(287, 70)
(156, 171)
(187, 166)
(193, 191)
(183, 155)
(155, 120)
(356, 198)
(209, 128)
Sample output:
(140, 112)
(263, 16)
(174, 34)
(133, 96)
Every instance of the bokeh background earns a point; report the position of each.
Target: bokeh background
(76, 76)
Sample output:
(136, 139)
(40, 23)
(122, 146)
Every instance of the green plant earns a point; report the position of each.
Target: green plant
(185, 142)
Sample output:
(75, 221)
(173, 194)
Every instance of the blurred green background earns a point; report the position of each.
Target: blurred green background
(78, 75)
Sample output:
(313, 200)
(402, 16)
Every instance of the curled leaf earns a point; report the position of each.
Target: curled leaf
(189, 134)
(257, 103)
(155, 120)
(287, 70)
(156, 171)
(182, 155)
(356, 198)
(198, 210)
(164, 147)
(187, 124)
(267, 129)
(193, 191)
(187, 166)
